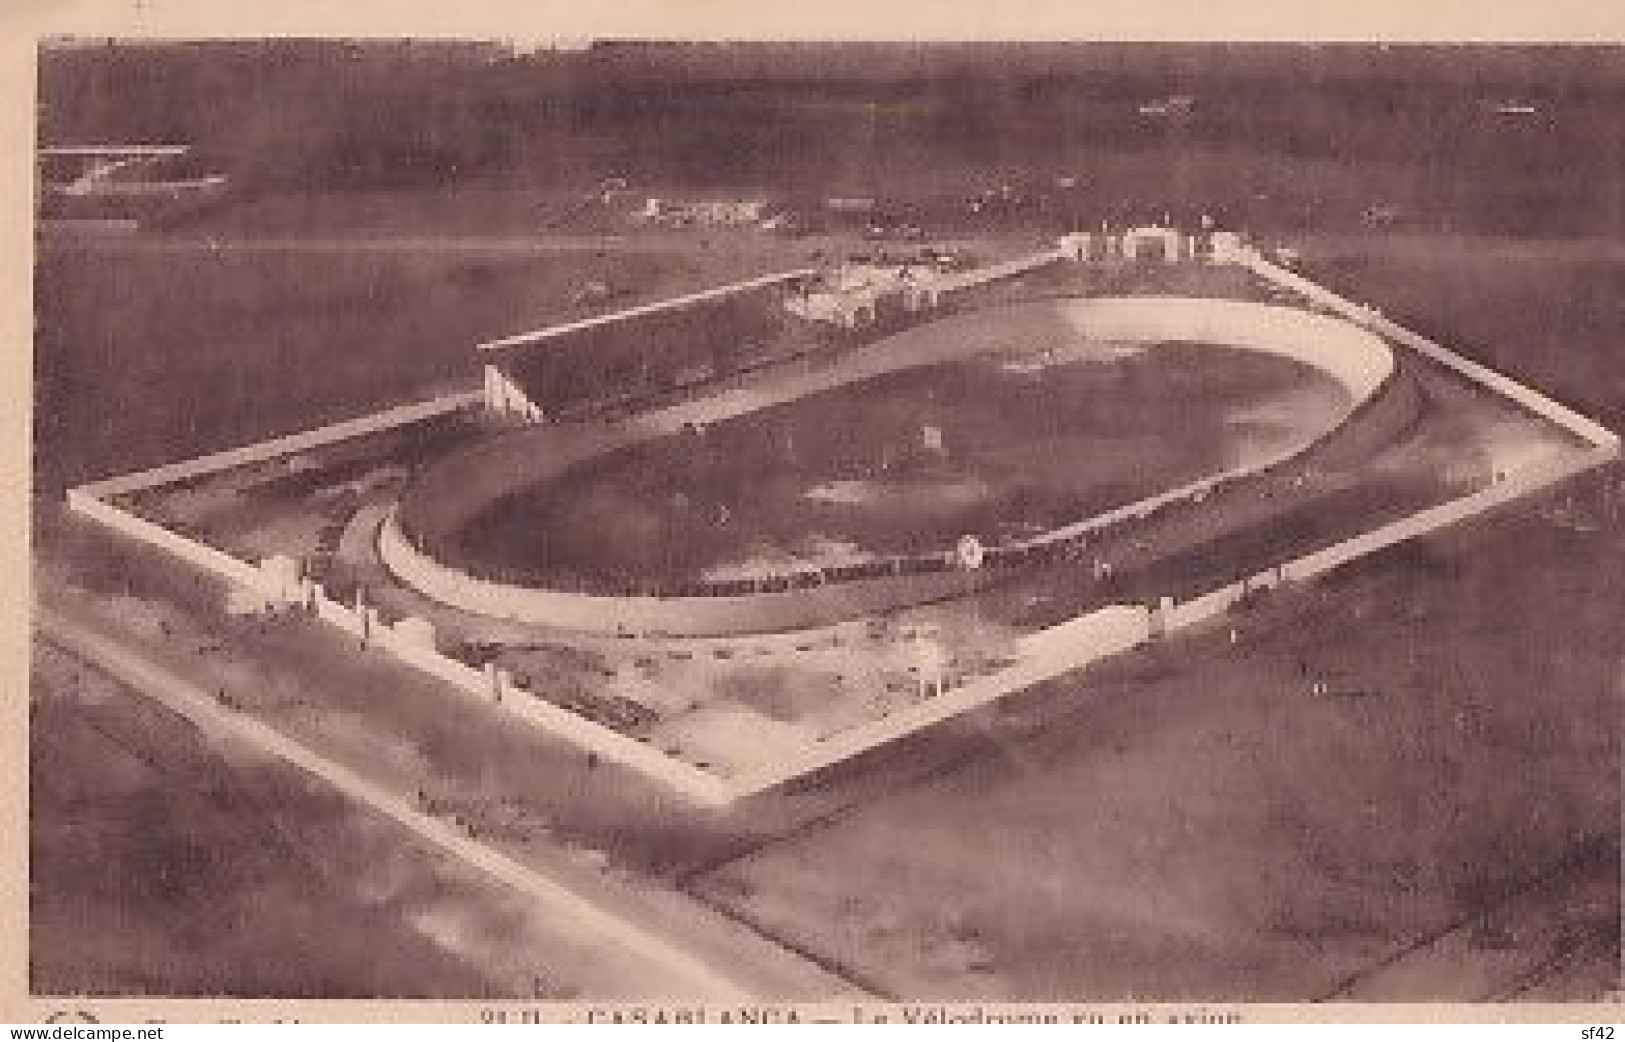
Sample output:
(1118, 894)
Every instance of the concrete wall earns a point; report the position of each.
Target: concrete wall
(678, 616)
(264, 450)
(1071, 645)
(1524, 481)
(364, 623)
(697, 785)
(945, 285)
(1090, 638)
(194, 553)
(496, 688)
(536, 336)
(1365, 315)
(1516, 485)
(1352, 356)
(341, 617)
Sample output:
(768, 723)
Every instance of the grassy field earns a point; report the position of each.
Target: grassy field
(846, 474)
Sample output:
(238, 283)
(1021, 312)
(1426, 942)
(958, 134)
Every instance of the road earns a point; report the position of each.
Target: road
(662, 967)
(542, 243)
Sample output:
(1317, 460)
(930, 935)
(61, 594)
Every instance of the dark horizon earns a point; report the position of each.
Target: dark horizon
(1267, 127)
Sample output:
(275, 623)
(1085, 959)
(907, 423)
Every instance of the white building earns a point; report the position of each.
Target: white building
(853, 294)
(1076, 245)
(1154, 241)
(723, 212)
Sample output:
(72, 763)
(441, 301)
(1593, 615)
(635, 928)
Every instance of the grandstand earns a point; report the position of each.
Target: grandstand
(635, 356)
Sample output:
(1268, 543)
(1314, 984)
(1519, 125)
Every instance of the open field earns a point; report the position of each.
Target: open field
(562, 943)
(1293, 135)
(1193, 821)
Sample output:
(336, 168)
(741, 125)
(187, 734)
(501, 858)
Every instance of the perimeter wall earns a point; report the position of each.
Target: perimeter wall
(1043, 655)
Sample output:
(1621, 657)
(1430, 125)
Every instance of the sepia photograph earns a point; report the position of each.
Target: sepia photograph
(701, 529)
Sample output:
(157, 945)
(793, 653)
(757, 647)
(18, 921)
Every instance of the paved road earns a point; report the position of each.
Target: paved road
(664, 969)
